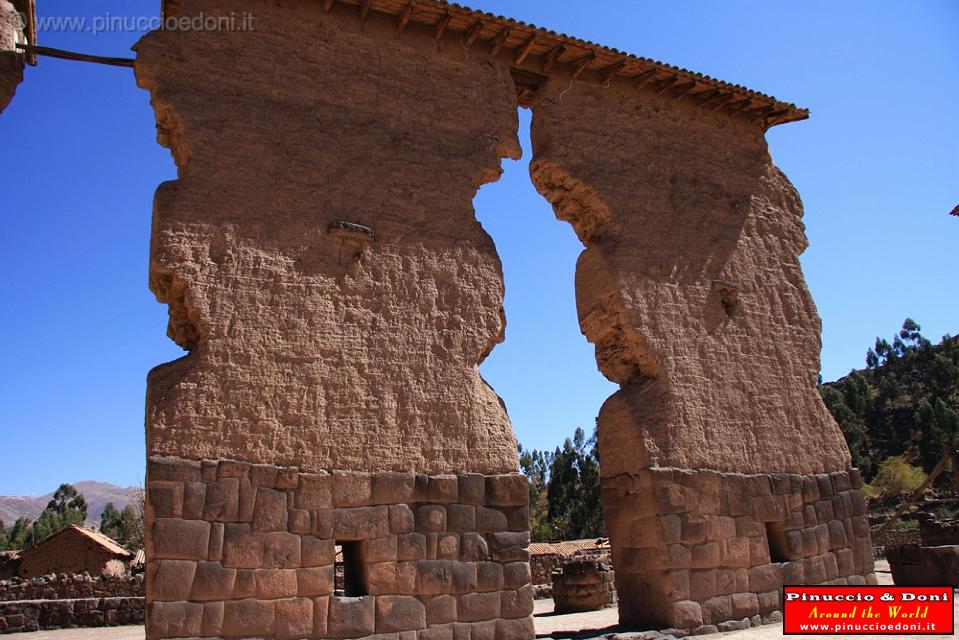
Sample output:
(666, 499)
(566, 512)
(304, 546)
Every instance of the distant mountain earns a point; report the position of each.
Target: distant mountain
(97, 494)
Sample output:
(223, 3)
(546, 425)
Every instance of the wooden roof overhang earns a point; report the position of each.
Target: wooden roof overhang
(535, 53)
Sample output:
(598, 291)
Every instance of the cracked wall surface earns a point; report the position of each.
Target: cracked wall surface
(724, 476)
(11, 62)
(690, 286)
(323, 266)
(307, 348)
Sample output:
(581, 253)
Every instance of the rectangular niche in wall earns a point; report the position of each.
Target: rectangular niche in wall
(350, 569)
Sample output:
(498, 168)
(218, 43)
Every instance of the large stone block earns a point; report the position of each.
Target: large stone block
(250, 617)
(181, 539)
(399, 613)
(351, 617)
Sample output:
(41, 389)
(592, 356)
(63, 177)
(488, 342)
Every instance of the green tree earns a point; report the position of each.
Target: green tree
(573, 489)
(110, 523)
(4, 537)
(896, 477)
(938, 425)
(535, 465)
(21, 533)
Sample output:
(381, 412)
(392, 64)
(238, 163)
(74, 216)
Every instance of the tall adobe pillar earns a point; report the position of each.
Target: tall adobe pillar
(14, 18)
(724, 476)
(323, 267)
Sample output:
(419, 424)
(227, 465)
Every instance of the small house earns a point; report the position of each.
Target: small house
(71, 550)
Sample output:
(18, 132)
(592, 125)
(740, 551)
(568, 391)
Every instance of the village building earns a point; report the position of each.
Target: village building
(71, 550)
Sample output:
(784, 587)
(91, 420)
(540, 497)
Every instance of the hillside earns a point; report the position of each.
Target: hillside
(97, 495)
(904, 402)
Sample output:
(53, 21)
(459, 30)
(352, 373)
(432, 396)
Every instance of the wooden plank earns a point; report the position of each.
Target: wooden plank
(405, 16)
(523, 51)
(645, 77)
(612, 71)
(472, 34)
(365, 9)
(689, 86)
(666, 84)
(442, 24)
(580, 65)
(497, 43)
(550, 60)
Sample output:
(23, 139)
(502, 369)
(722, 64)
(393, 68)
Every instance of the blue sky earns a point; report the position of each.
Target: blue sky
(877, 166)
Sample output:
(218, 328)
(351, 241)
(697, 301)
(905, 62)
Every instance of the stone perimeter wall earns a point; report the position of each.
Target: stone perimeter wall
(34, 615)
(71, 587)
(240, 550)
(694, 548)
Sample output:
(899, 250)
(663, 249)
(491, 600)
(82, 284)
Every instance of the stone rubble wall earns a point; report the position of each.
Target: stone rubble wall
(72, 587)
(935, 533)
(913, 565)
(693, 549)
(244, 550)
(583, 585)
(34, 615)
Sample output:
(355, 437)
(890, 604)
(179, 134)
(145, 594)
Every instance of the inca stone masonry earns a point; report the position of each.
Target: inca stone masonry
(325, 271)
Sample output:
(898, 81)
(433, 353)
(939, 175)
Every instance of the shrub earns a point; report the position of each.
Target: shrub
(896, 477)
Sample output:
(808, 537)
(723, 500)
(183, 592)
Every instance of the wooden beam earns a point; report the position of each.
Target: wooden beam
(761, 111)
(723, 102)
(405, 16)
(736, 105)
(497, 43)
(524, 95)
(717, 94)
(666, 84)
(550, 60)
(365, 8)
(441, 25)
(472, 34)
(72, 55)
(645, 77)
(524, 49)
(580, 65)
(684, 90)
(327, 5)
(612, 71)
(775, 114)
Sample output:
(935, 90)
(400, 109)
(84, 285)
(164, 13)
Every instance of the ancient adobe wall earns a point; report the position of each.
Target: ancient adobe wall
(323, 266)
(691, 291)
(311, 346)
(690, 285)
(11, 64)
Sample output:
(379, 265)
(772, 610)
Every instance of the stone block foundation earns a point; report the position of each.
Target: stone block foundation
(707, 551)
(241, 550)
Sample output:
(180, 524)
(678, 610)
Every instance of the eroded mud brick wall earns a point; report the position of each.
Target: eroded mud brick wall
(724, 476)
(331, 388)
(11, 62)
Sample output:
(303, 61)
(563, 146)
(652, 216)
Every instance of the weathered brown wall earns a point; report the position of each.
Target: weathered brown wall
(300, 353)
(66, 554)
(672, 202)
(322, 357)
(11, 64)
(691, 290)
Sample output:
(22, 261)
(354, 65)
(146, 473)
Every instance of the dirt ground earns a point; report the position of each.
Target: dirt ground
(579, 626)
